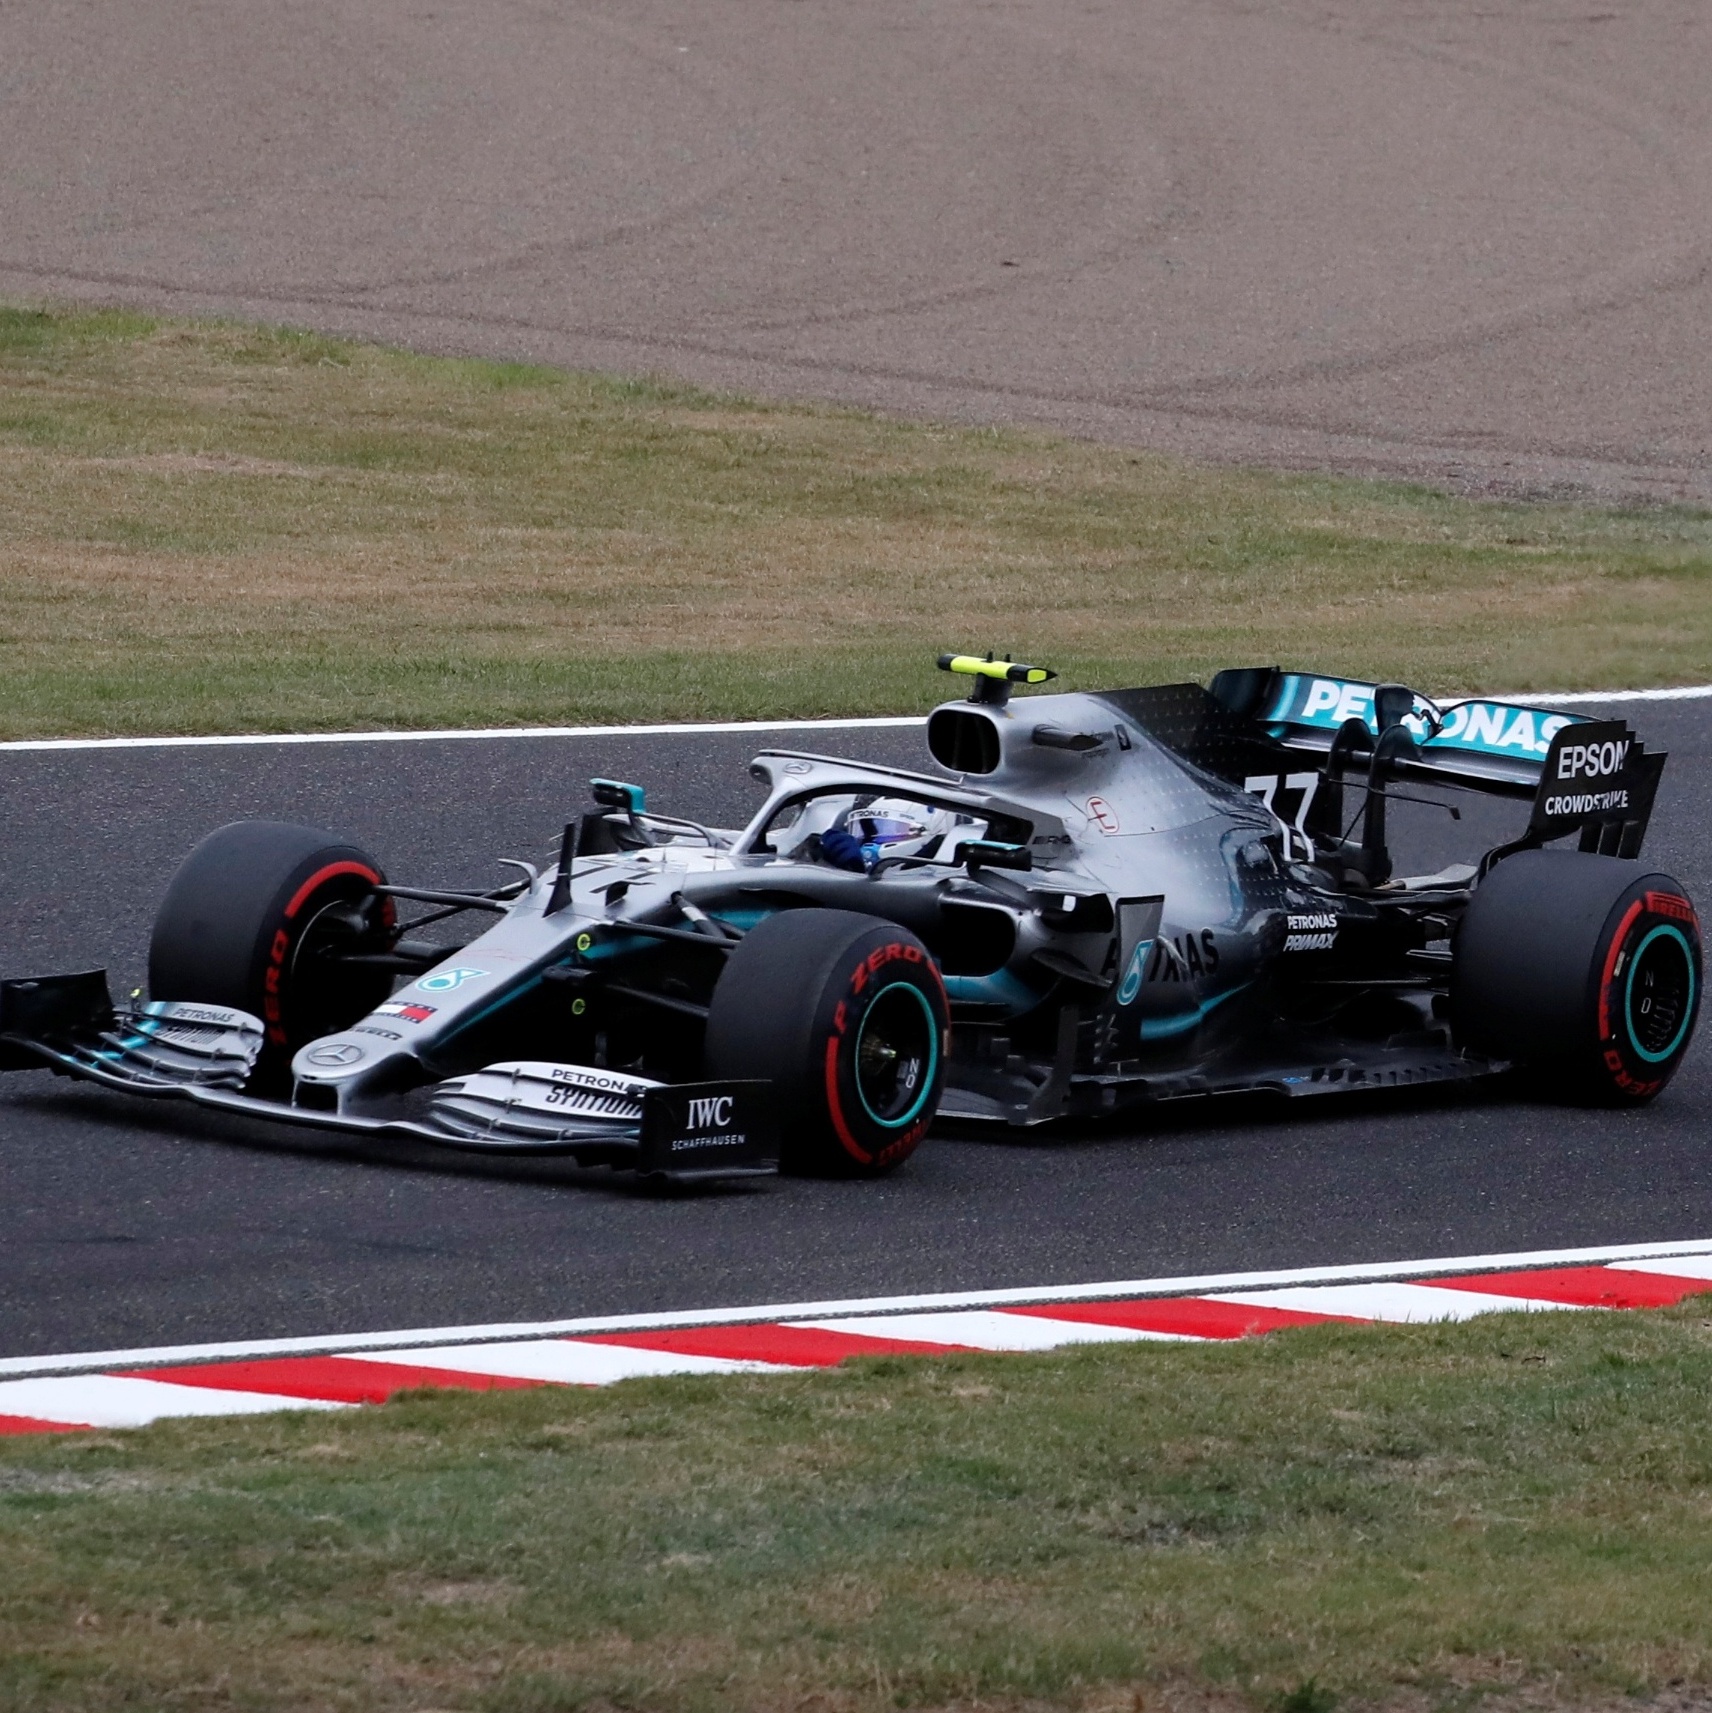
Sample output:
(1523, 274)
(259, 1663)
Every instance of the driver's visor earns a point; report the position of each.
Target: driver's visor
(880, 829)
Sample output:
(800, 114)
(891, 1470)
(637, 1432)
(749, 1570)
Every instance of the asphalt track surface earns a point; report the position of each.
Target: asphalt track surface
(124, 1223)
(1463, 241)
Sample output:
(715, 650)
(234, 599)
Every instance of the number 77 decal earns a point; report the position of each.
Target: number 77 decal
(1266, 787)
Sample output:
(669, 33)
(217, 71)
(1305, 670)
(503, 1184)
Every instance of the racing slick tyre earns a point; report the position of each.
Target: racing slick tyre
(247, 922)
(846, 1015)
(1584, 970)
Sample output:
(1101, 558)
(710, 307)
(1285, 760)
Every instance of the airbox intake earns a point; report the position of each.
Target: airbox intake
(963, 740)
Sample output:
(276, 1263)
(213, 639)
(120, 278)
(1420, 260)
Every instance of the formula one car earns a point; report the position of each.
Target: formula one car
(1099, 902)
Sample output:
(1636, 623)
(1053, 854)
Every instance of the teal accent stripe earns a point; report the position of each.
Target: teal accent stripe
(916, 1105)
(1162, 1028)
(509, 997)
(1629, 994)
(1000, 988)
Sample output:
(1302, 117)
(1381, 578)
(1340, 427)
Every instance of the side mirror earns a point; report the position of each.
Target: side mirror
(615, 794)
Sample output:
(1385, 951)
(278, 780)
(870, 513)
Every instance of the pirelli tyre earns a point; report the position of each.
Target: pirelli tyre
(1584, 970)
(846, 1016)
(255, 918)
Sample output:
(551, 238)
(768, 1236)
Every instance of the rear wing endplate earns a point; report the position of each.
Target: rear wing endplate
(1597, 780)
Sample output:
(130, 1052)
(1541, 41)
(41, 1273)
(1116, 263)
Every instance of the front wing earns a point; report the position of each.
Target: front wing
(205, 1054)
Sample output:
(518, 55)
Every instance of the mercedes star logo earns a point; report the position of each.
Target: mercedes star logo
(336, 1053)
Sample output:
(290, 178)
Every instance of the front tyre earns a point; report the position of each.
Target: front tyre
(846, 1016)
(257, 917)
(1581, 969)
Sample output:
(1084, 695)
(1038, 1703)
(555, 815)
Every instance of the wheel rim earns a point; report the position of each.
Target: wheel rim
(897, 1055)
(1658, 996)
(322, 992)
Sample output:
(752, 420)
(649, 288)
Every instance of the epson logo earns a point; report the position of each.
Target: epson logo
(712, 1112)
(1592, 760)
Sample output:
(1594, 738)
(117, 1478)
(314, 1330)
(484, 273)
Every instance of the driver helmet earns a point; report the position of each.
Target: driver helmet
(891, 826)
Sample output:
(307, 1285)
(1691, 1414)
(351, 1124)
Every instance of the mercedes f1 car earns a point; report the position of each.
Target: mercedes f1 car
(1098, 902)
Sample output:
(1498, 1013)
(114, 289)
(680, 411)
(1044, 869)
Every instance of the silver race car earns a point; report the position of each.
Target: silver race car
(1097, 901)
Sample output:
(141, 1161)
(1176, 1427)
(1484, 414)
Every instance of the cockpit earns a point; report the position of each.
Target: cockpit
(860, 830)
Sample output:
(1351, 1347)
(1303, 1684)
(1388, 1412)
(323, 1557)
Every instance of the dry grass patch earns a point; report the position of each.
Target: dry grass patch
(212, 527)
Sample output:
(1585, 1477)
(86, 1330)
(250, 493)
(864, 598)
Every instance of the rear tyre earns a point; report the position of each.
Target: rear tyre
(1583, 970)
(248, 921)
(846, 1015)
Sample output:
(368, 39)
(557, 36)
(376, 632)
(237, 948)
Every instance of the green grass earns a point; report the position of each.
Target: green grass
(1509, 1512)
(212, 527)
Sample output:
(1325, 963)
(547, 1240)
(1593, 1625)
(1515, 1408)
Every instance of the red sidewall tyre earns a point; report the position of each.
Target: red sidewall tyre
(846, 1016)
(232, 926)
(1649, 992)
(1585, 970)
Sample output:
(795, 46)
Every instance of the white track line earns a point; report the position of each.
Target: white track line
(1568, 698)
(1695, 1267)
(240, 739)
(424, 1338)
(1680, 693)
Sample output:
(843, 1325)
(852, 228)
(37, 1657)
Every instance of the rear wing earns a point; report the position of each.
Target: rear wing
(1587, 776)
(1484, 744)
(1583, 775)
